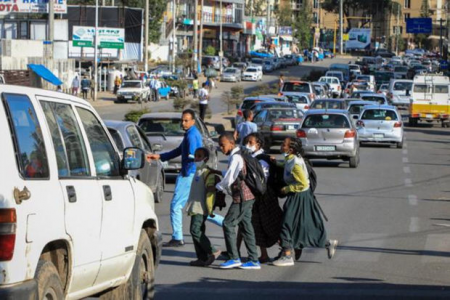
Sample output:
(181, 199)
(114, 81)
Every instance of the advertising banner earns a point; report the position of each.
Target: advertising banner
(110, 38)
(31, 6)
(358, 38)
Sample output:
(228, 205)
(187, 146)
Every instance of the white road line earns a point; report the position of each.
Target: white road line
(407, 170)
(413, 200)
(408, 182)
(405, 160)
(414, 225)
(405, 145)
(405, 151)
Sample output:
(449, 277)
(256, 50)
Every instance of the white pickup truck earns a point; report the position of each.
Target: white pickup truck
(135, 90)
(72, 222)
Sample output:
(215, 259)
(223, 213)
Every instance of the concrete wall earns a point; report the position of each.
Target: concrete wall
(22, 48)
(159, 52)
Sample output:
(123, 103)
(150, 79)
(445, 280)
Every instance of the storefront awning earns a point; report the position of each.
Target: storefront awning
(287, 38)
(45, 73)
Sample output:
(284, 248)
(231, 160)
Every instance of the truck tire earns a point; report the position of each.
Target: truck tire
(48, 281)
(142, 277)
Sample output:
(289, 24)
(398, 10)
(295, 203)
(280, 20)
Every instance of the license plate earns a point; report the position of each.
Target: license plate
(429, 116)
(378, 135)
(325, 148)
(127, 97)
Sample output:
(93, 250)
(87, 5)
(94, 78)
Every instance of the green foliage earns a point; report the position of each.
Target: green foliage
(181, 83)
(284, 15)
(425, 9)
(302, 26)
(210, 50)
(256, 8)
(134, 115)
(264, 89)
(179, 103)
(233, 97)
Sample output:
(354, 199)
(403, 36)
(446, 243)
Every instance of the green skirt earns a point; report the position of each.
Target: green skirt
(302, 225)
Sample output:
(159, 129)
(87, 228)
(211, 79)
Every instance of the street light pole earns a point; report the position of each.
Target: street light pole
(174, 35)
(194, 33)
(341, 31)
(220, 39)
(147, 8)
(95, 50)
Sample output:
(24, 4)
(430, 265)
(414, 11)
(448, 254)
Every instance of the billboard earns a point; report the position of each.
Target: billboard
(110, 38)
(31, 6)
(358, 38)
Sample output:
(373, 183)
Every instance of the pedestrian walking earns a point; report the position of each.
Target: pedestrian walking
(203, 96)
(117, 84)
(191, 141)
(155, 89)
(245, 128)
(75, 86)
(85, 86)
(195, 86)
(59, 89)
(199, 207)
(280, 82)
(266, 213)
(240, 211)
(302, 224)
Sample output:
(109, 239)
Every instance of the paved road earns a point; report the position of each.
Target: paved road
(391, 216)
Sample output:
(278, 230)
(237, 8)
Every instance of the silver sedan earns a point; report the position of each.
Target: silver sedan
(380, 124)
(329, 134)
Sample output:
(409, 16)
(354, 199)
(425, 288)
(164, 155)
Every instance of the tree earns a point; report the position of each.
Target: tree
(233, 97)
(425, 9)
(302, 26)
(422, 39)
(259, 8)
(284, 15)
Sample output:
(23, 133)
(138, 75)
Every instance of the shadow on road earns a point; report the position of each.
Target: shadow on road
(428, 131)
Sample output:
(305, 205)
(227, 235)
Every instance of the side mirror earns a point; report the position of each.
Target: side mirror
(133, 158)
(355, 117)
(157, 147)
(213, 134)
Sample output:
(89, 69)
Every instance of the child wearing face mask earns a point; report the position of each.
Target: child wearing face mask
(199, 207)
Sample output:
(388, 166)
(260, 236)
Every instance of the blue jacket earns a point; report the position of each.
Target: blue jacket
(191, 141)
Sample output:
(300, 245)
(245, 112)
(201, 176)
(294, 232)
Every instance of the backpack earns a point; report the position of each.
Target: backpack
(312, 176)
(276, 175)
(254, 177)
(220, 196)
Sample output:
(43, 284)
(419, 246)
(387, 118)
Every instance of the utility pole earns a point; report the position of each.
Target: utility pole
(334, 38)
(95, 50)
(441, 44)
(174, 35)
(51, 26)
(200, 46)
(397, 29)
(194, 33)
(220, 38)
(341, 31)
(147, 17)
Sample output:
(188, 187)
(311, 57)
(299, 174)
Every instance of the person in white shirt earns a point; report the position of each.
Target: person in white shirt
(75, 86)
(203, 97)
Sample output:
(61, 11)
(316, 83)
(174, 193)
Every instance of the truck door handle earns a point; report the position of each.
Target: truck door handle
(107, 192)
(71, 193)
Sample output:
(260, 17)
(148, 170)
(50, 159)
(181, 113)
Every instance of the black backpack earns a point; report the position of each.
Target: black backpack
(312, 176)
(254, 177)
(276, 175)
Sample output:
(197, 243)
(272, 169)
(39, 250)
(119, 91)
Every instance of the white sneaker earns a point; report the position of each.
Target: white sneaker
(284, 261)
(331, 248)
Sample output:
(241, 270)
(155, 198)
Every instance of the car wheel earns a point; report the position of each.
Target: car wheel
(354, 161)
(159, 193)
(48, 281)
(400, 145)
(142, 276)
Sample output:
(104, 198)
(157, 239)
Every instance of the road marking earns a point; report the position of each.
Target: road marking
(408, 182)
(414, 224)
(405, 151)
(405, 160)
(413, 200)
(407, 170)
(441, 224)
(405, 145)
(436, 249)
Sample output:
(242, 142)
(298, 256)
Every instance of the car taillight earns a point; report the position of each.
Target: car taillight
(360, 124)
(280, 94)
(7, 233)
(277, 128)
(350, 134)
(398, 124)
(306, 107)
(240, 113)
(301, 133)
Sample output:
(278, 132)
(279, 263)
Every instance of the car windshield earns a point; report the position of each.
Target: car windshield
(297, 99)
(329, 104)
(355, 109)
(131, 84)
(267, 62)
(379, 114)
(300, 87)
(230, 71)
(251, 70)
(365, 78)
(379, 100)
(167, 126)
(248, 103)
(326, 121)
(257, 61)
(283, 114)
(401, 69)
(402, 86)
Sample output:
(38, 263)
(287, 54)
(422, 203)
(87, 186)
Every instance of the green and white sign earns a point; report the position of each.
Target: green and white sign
(110, 38)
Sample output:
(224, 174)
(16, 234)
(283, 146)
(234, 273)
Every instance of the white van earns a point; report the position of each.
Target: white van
(430, 99)
(72, 222)
(334, 83)
(400, 91)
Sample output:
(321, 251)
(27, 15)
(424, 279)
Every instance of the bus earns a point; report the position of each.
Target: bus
(430, 99)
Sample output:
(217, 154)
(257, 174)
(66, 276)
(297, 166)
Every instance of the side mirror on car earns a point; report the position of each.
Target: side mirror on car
(157, 147)
(133, 158)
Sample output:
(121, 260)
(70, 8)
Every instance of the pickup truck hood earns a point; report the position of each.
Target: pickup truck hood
(131, 90)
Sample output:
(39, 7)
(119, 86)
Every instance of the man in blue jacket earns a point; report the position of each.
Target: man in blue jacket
(191, 141)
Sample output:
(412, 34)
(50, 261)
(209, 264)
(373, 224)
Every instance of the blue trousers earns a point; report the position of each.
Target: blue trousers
(180, 197)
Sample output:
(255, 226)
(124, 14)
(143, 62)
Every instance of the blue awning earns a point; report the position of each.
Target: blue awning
(45, 73)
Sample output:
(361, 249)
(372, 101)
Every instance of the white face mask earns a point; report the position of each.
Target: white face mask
(251, 148)
(199, 164)
(286, 154)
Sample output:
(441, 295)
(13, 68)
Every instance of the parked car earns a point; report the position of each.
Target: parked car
(276, 124)
(231, 75)
(416, 70)
(329, 134)
(160, 71)
(211, 61)
(128, 134)
(337, 74)
(328, 104)
(73, 224)
(400, 91)
(380, 124)
(298, 87)
(252, 74)
(134, 90)
(334, 83)
(290, 59)
(268, 66)
(164, 132)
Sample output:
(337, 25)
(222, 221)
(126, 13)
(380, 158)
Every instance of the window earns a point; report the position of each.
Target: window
(24, 30)
(326, 121)
(296, 87)
(316, 3)
(315, 17)
(134, 136)
(379, 114)
(27, 137)
(144, 139)
(117, 138)
(441, 89)
(402, 86)
(407, 3)
(407, 16)
(105, 158)
(421, 88)
(68, 143)
(260, 117)
(297, 99)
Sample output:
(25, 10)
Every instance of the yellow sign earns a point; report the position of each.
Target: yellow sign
(345, 37)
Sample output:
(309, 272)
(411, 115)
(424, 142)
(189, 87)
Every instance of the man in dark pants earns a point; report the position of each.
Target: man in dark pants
(203, 97)
(240, 211)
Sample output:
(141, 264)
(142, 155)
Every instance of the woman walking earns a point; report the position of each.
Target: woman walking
(302, 224)
(266, 214)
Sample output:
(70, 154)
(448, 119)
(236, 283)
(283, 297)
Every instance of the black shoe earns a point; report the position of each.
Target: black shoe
(174, 243)
(298, 253)
(197, 263)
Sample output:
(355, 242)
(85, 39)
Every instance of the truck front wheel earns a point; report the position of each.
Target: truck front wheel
(48, 281)
(143, 274)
